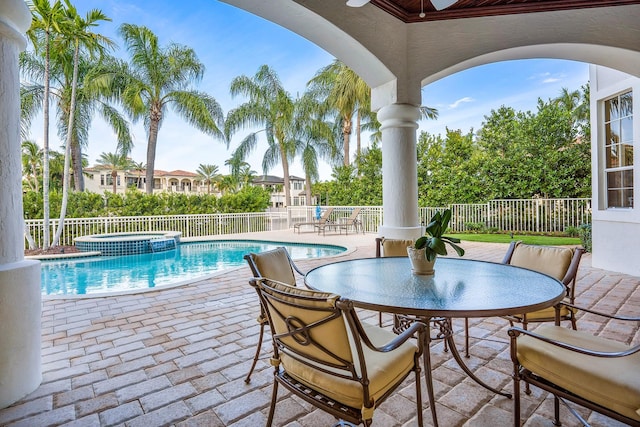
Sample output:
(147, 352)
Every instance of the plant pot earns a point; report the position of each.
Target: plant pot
(419, 262)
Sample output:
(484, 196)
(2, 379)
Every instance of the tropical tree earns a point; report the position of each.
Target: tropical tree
(31, 164)
(88, 104)
(349, 96)
(139, 167)
(45, 20)
(342, 89)
(315, 138)
(114, 162)
(158, 77)
(270, 107)
(76, 35)
(208, 174)
(577, 102)
(246, 175)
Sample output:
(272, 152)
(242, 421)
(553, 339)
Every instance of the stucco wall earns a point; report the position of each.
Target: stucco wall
(616, 232)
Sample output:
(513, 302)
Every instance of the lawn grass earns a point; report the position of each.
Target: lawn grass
(506, 238)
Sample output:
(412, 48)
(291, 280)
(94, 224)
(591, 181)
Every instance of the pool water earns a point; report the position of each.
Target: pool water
(81, 276)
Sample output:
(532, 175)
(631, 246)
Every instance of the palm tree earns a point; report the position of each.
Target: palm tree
(115, 162)
(578, 104)
(139, 167)
(45, 21)
(227, 184)
(246, 175)
(270, 106)
(31, 164)
(343, 90)
(316, 138)
(208, 174)
(346, 93)
(156, 78)
(75, 33)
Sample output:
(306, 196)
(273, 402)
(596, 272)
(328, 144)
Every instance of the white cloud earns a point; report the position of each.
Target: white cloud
(457, 103)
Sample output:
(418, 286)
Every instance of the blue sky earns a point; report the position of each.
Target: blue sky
(231, 42)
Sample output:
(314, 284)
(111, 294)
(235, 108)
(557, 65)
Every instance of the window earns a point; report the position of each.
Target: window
(618, 148)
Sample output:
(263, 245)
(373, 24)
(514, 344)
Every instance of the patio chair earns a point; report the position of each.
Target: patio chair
(323, 354)
(558, 262)
(598, 373)
(323, 219)
(275, 264)
(352, 222)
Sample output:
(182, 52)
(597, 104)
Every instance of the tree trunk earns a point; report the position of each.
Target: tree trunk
(114, 180)
(67, 150)
(358, 136)
(285, 171)
(76, 161)
(346, 132)
(307, 187)
(156, 115)
(45, 148)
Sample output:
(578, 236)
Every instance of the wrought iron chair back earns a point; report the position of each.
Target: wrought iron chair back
(320, 352)
(275, 264)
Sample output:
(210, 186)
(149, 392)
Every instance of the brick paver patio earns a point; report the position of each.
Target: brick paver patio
(178, 356)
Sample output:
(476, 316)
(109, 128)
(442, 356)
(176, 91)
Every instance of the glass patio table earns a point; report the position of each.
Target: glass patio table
(459, 288)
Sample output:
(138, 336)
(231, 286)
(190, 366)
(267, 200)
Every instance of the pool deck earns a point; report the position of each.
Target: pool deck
(178, 356)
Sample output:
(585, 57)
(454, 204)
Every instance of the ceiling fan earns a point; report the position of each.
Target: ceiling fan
(438, 4)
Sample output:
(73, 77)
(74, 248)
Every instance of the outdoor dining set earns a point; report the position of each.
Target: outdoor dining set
(323, 353)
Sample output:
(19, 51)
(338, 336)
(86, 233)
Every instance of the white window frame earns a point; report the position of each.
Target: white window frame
(626, 139)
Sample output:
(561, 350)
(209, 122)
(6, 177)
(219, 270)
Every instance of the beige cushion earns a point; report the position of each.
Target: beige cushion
(330, 335)
(395, 247)
(610, 382)
(384, 371)
(549, 260)
(548, 314)
(275, 265)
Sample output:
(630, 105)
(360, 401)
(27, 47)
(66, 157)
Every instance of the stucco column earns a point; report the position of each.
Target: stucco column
(20, 298)
(399, 172)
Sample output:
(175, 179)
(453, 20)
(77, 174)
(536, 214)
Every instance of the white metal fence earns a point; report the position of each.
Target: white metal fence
(535, 215)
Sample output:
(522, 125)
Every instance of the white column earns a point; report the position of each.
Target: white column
(399, 172)
(20, 298)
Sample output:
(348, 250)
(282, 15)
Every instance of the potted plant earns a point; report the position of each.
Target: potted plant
(426, 248)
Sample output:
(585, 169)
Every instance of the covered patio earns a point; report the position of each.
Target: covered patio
(178, 356)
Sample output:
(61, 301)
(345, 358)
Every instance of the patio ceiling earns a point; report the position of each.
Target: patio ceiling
(409, 10)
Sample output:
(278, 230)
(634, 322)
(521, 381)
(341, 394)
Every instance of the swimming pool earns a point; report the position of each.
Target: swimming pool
(189, 261)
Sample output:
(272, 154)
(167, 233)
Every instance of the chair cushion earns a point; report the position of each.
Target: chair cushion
(275, 265)
(383, 369)
(547, 314)
(329, 339)
(549, 260)
(395, 247)
(610, 382)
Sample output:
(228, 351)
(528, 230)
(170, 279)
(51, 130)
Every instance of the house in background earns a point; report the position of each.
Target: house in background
(275, 185)
(98, 180)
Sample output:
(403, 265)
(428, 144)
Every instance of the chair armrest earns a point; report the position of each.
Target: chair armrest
(599, 313)
(515, 332)
(418, 328)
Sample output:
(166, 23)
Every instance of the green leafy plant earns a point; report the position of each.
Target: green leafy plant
(434, 242)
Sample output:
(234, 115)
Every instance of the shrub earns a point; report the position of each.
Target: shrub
(572, 231)
(475, 227)
(585, 236)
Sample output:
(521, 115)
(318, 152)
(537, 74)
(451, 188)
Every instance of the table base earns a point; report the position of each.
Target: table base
(444, 330)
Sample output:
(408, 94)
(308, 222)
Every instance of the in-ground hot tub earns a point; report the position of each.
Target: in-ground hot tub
(129, 243)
